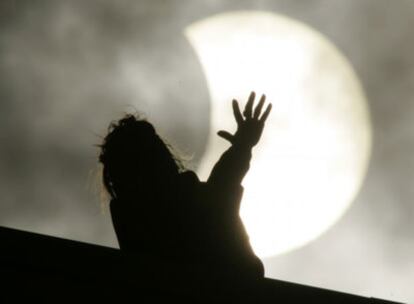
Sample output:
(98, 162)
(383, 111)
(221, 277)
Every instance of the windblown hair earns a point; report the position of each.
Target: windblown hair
(134, 156)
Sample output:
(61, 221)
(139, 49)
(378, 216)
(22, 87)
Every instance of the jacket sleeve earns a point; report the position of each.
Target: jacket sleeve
(225, 179)
(232, 166)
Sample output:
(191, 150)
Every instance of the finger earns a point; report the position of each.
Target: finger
(259, 107)
(226, 135)
(266, 113)
(237, 113)
(249, 106)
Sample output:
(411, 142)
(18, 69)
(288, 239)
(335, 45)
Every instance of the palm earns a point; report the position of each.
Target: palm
(249, 127)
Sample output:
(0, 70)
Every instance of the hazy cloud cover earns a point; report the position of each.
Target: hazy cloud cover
(67, 68)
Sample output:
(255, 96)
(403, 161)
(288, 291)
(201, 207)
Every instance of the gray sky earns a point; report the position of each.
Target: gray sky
(67, 68)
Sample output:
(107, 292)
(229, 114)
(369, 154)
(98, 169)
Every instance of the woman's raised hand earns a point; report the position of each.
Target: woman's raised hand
(249, 127)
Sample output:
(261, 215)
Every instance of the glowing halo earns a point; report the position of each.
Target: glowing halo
(313, 156)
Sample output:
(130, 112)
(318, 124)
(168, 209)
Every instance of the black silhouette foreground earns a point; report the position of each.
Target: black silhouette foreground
(54, 270)
(160, 210)
(181, 239)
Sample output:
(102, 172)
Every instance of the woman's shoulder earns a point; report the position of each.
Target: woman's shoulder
(189, 178)
(189, 174)
(190, 187)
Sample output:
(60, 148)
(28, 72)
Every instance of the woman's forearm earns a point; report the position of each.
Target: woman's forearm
(232, 165)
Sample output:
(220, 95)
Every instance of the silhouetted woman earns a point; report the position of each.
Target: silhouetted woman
(161, 210)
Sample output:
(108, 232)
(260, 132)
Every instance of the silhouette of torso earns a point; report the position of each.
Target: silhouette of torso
(189, 221)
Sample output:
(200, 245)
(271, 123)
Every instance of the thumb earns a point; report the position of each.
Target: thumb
(226, 135)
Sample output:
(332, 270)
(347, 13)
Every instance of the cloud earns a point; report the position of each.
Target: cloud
(67, 68)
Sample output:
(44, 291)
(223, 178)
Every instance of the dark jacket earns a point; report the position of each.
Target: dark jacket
(190, 221)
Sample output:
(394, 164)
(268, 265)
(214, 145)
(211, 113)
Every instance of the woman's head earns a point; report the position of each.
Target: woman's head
(135, 158)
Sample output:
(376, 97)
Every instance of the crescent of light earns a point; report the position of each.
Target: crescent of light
(315, 149)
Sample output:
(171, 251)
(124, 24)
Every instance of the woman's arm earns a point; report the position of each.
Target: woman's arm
(234, 163)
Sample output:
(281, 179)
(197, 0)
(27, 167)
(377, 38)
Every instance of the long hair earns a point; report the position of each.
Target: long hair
(135, 157)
